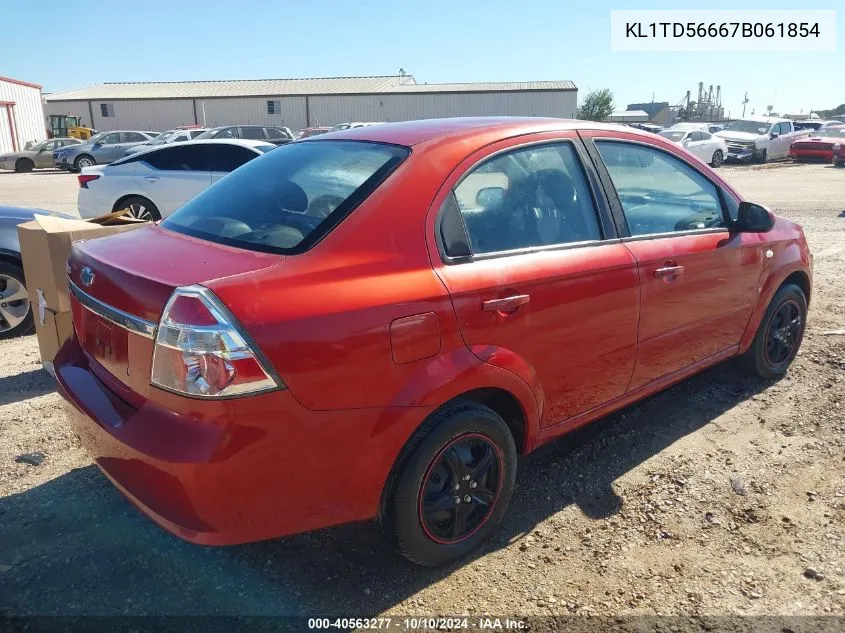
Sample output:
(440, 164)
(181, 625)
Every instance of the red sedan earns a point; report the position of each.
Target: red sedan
(374, 323)
(820, 146)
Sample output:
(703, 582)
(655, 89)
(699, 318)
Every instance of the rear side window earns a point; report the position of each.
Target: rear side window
(254, 133)
(288, 199)
(527, 198)
(224, 157)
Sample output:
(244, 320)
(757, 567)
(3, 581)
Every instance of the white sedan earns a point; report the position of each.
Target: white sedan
(709, 148)
(153, 184)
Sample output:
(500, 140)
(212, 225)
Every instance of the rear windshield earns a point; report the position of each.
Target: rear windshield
(285, 201)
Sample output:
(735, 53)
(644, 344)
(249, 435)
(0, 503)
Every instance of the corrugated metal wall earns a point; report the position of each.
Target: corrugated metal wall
(147, 114)
(299, 112)
(27, 114)
(253, 110)
(6, 144)
(329, 110)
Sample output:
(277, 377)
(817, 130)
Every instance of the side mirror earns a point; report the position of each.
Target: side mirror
(773, 135)
(753, 218)
(489, 196)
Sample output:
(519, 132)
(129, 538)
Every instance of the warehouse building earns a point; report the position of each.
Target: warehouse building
(21, 115)
(300, 103)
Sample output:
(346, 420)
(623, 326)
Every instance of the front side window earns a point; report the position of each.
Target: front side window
(287, 199)
(660, 193)
(532, 197)
(134, 137)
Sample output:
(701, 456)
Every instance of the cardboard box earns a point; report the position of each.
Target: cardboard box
(45, 246)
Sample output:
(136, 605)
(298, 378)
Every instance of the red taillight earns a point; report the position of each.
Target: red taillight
(84, 179)
(201, 351)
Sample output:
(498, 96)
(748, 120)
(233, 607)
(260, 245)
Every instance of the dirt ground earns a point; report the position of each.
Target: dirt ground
(723, 495)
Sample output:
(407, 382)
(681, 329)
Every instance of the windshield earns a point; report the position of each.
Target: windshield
(39, 147)
(751, 127)
(209, 133)
(835, 132)
(674, 135)
(161, 138)
(285, 201)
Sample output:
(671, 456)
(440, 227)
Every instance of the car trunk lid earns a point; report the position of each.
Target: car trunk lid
(120, 285)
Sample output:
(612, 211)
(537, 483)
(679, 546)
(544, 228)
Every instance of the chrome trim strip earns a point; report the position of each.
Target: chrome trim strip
(118, 317)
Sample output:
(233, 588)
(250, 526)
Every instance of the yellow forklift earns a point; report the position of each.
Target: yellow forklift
(64, 125)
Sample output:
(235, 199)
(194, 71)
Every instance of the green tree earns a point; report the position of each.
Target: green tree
(596, 106)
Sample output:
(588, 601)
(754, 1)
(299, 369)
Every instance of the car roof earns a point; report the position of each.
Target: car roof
(411, 133)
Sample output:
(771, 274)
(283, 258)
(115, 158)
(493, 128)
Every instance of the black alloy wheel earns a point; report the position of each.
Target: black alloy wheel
(783, 332)
(779, 335)
(460, 488)
(451, 484)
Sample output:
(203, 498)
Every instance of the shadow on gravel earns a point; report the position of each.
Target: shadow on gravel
(28, 384)
(75, 546)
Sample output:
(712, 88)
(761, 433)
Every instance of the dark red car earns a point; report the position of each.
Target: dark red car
(820, 145)
(374, 323)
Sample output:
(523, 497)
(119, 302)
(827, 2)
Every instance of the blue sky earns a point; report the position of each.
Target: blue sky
(436, 41)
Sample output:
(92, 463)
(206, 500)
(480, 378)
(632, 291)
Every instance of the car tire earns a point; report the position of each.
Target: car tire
(20, 310)
(762, 156)
(24, 165)
(718, 158)
(779, 336)
(140, 207)
(82, 161)
(465, 457)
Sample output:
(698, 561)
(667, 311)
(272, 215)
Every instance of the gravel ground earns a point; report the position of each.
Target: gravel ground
(723, 495)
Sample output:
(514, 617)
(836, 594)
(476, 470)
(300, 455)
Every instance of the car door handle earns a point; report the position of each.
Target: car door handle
(151, 178)
(506, 304)
(668, 271)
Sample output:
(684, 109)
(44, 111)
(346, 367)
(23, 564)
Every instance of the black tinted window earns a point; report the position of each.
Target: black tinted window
(254, 133)
(291, 196)
(531, 197)
(177, 158)
(226, 158)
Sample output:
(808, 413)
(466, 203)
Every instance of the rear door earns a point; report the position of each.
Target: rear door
(698, 280)
(173, 175)
(546, 286)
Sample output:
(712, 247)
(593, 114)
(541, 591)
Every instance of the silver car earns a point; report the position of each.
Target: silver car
(100, 149)
(38, 156)
(171, 136)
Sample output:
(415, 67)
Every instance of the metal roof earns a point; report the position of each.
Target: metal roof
(283, 87)
(497, 86)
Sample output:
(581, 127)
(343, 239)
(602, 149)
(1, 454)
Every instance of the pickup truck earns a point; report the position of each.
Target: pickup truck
(759, 139)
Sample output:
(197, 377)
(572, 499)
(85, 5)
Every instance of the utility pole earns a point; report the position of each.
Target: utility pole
(744, 101)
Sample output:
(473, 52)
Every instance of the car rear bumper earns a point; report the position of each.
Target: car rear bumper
(223, 473)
